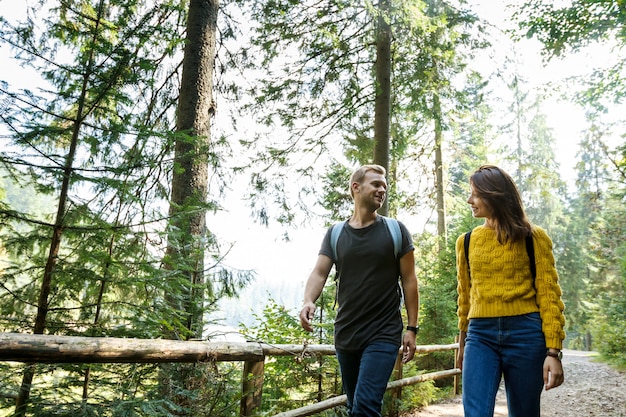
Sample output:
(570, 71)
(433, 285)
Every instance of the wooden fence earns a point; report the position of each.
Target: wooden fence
(29, 348)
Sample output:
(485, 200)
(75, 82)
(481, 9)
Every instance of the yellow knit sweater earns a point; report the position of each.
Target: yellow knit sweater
(502, 284)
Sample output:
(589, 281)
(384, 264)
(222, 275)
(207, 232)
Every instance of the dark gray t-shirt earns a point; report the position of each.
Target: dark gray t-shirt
(369, 295)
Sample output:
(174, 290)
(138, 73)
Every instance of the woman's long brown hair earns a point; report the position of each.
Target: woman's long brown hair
(496, 187)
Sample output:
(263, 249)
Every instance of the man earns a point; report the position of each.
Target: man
(368, 327)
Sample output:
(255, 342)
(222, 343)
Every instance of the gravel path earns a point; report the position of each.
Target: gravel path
(590, 389)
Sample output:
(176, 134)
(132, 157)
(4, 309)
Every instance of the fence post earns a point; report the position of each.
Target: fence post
(396, 393)
(456, 365)
(252, 386)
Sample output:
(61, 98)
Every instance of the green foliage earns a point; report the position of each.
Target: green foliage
(591, 252)
(574, 247)
(212, 389)
(129, 390)
(295, 380)
(574, 269)
(87, 154)
(609, 331)
(413, 396)
(608, 327)
(537, 171)
(319, 86)
(570, 27)
(337, 200)
(88, 147)
(437, 280)
(97, 162)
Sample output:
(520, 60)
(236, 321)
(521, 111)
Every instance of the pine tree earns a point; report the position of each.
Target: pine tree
(95, 138)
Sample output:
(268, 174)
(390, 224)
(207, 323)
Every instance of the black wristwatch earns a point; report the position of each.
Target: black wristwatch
(558, 355)
(414, 329)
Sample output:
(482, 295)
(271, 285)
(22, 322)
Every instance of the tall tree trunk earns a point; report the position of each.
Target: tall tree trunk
(186, 239)
(440, 186)
(518, 106)
(186, 250)
(382, 111)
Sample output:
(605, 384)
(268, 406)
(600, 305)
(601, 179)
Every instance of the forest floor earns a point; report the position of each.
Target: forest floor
(591, 388)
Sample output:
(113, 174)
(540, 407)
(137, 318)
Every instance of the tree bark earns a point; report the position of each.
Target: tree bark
(442, 232)
(43, 348)
(382, 111)
(186, 247)
(190, 175)
(75, 349)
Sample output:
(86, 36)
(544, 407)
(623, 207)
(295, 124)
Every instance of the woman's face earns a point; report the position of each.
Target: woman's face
(480, 208)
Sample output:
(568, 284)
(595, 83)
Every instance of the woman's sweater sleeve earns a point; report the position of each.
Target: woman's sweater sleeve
(463, 285)
(548, 291)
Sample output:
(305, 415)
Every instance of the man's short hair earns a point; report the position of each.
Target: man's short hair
(359, 174)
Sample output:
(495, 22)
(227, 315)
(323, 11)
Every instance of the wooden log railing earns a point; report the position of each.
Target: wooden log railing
(31, 348)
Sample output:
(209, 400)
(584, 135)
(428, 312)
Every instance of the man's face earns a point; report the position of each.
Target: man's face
(373, 189)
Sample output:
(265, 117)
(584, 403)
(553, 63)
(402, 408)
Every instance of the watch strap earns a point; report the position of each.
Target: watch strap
(558, 355)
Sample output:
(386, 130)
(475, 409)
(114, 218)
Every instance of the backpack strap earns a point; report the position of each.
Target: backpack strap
(530, 249)
(396, 234)
(334, 237)
(466, 243)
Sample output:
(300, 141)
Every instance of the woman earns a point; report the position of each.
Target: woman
(510, 324)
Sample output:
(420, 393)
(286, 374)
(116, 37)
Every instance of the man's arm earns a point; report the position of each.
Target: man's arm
(314, 286)
(411, 303)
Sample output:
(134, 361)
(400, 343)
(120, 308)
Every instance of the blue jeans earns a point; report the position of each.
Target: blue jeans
(511, 346)
(364, 374)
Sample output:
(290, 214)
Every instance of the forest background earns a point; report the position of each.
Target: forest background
(159, 158)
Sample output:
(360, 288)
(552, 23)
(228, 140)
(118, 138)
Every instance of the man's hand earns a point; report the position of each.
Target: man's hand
(306, 316)
(408, 346)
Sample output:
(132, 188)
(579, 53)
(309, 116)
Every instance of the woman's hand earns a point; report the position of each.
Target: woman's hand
(553, 375)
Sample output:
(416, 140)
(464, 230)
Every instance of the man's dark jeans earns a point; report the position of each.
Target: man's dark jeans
(365, 374)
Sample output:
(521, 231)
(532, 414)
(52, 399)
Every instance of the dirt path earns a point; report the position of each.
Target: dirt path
(590, 389)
